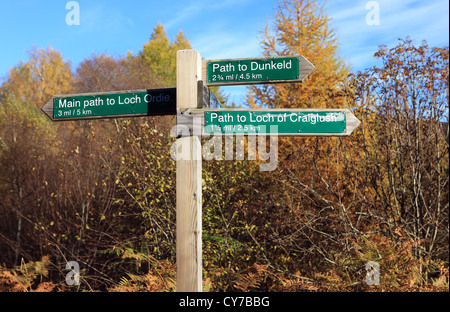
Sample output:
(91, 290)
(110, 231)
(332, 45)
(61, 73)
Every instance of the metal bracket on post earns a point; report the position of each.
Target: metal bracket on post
(206, 98)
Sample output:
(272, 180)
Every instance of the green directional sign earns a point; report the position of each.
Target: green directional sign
(290, 122)
(281, 122)
(257, 70)
(112, 104)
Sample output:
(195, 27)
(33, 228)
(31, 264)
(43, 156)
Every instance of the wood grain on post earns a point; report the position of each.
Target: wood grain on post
(189, 181)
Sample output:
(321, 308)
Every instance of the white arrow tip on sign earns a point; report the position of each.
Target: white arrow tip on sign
(305, 67)
(352, 122)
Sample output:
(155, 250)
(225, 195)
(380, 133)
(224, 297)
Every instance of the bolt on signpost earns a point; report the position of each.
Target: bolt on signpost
(200, 113)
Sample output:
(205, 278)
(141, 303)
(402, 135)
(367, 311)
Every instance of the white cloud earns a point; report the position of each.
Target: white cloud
(188, 11)
(100, 18)
(421, 20)
(201, 11)
(225, 45)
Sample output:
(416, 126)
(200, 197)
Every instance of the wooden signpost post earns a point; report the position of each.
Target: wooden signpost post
(189, 180)
(199, 112)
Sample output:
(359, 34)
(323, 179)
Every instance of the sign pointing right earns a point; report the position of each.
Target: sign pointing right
(282, 122)
(256, 70)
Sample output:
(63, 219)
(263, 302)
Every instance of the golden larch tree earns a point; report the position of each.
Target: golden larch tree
(302, 27)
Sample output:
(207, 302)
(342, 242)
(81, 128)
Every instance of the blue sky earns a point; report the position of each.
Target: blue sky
(217, 29)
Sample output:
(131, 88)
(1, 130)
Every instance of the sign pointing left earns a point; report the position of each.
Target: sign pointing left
(129, 103)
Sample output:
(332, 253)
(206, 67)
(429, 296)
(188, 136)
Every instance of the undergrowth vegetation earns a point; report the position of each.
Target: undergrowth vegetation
(102, 193)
